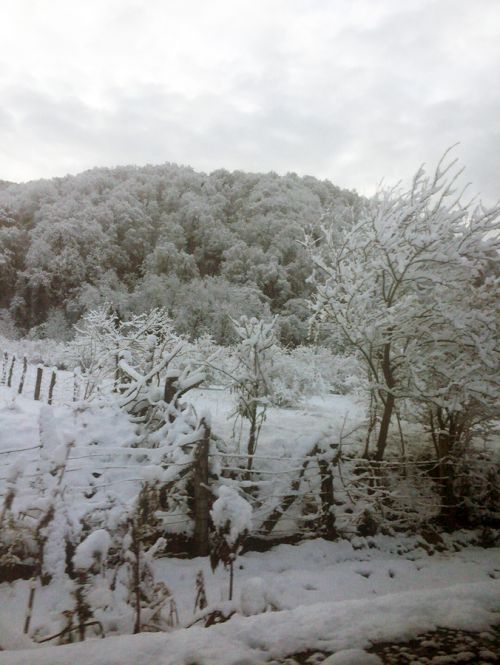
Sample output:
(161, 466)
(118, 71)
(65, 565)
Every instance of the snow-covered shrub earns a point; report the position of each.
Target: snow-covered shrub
(476, 487)
(56, 328)
(92, 552)
(250, 380)
(87, 587)
(311, 370)
(232, 521)
(217, 362)
(138, 559)
(292, 374)
(51, 525)
(391, 497)
(103, 340)
(167, 424)
(17, 537)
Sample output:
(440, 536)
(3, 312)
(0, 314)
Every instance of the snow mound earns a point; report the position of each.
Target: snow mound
(255, 597)
(352, 657)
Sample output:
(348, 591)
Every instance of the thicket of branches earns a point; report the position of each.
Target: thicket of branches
(412, 287)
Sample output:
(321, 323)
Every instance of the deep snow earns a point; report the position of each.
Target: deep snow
(325, 596)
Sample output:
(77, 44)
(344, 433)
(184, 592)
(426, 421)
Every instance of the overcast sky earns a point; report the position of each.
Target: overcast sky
(348, 90)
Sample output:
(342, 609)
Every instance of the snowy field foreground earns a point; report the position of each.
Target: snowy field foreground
(329, 596)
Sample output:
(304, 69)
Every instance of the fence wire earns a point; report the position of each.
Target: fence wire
(293, 487)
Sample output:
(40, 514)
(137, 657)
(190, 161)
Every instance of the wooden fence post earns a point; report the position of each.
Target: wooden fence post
(202, 493)
(11, 371)
(23, 375)
(327, 520)
(38, 383)
(51, 386)
(4, 366)
(76, 386)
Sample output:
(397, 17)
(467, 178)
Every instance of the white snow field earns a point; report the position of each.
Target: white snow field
(330, 626)
(329, 596)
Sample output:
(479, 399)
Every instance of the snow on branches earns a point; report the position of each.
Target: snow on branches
(251, 381)
(105, 344)
(412, 287)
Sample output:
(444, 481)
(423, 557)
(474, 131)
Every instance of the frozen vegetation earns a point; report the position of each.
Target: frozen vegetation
(301, 469)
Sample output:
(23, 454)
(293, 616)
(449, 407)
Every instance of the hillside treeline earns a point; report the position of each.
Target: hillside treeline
(206, 247)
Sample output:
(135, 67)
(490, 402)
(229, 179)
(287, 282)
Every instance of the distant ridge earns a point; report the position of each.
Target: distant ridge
(208, 247)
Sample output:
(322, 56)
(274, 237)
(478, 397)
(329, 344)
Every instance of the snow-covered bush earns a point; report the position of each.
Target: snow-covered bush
(256, 597)
(92, 551)
(311, 370)
(142, 590)
(292, 374)
(232, 520)
(56, 328)
(392, 498)
(103, 340)
(476, 484)
(250, 381)
(216, 361)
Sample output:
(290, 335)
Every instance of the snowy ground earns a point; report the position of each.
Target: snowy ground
(330, 597)
(328, 626)
(326, 596)
(286, 431)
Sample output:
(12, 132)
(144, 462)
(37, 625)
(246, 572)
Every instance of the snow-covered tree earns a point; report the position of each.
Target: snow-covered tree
(251, 381)
(411, 286)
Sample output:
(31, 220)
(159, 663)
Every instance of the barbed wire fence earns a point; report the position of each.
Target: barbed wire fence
(327, 492)
(299, 497)
(39, 382)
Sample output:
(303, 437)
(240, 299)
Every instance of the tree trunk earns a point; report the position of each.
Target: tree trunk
(231, 579)
(449, 431)
(384, 427)
(388, 400)
(448, 512)
(446, 443)
(252, 440)
(136, 573)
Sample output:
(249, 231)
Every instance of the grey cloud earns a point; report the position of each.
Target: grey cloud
(363, 102)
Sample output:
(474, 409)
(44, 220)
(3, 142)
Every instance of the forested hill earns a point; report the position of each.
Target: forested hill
(205, 246)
